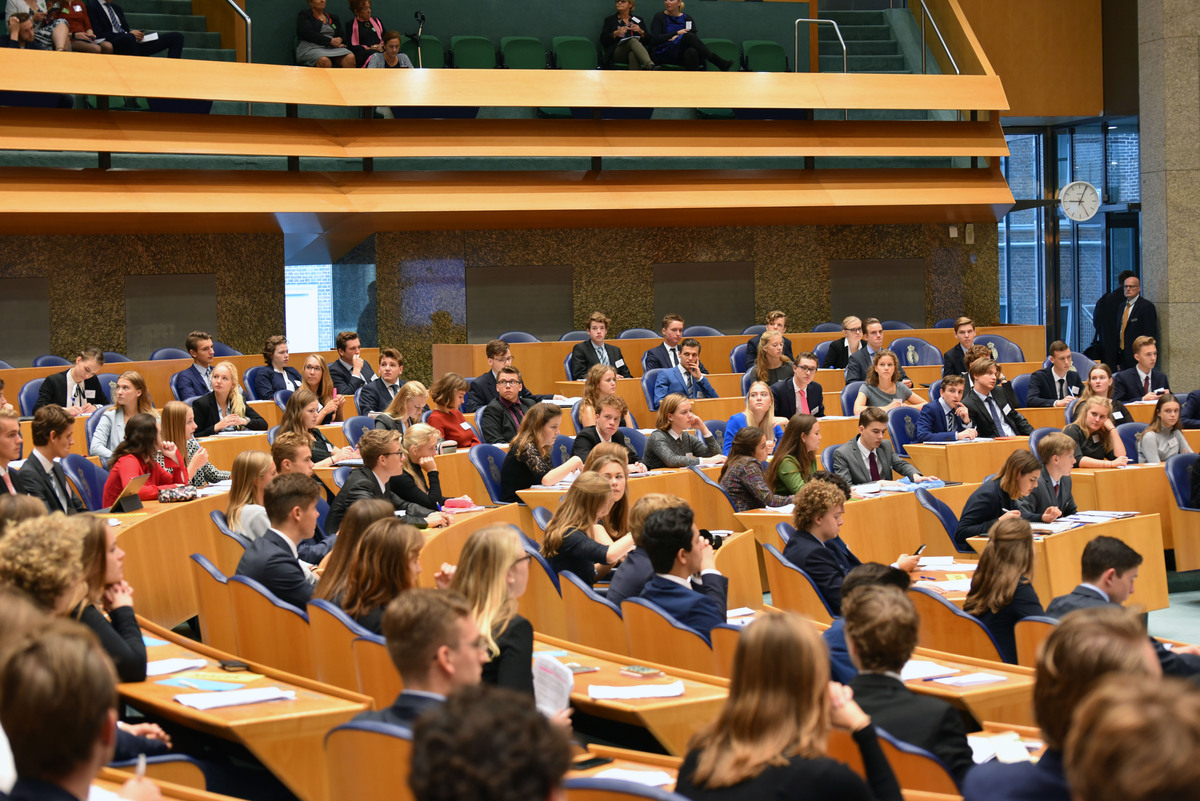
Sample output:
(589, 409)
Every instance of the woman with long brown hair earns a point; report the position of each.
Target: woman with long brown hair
(1095, 435)
(575, 540)
(336, 565)
(881, 387)
(528, 462)
(109, 594)
(136, 456)
(130, 397)
(742, 474)
(385, 564)
(178, 426)
(998, 498)
(796, 455)
(301, 416)
(1000, 590)
(611, 460)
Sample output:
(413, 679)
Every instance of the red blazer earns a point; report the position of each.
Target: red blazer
(129, 467)
(450, 426)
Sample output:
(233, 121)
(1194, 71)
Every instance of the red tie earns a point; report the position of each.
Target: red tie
(1146, 385)
(802, 401)
(874, 466)
(8, 483)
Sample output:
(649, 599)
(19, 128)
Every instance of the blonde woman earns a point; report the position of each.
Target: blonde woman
(881, 388)
(406, 408)
(318, 381)
(178, 426)
(1000, 592)
(672, 446)
(492, 573)
(1095, 435)
(301, 416)
(769, 739)
(759, 413)
(601, 382)
(771, 364)
(129, 398)
(419, 483)
(1100, 384)
(252, 472)
(225, 408)
(575, 540)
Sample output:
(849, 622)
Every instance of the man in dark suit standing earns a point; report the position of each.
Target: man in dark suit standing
(1141, 382)
(483, 389)
(776, 321)
(594, 350)
(1058, 384)
(10, 451)
(946, 419)
(431, 637)
(869, 457)
(382, 460)
(41, 476)
(840, 350)
(1109, 568)
(376, 395)
(1106, 344)
(666, 354)
(954, 360)
(800, 394)
(501, 418)
(196, 380)
(860, 362)
(1135, 318)
(881, 633)
(349, 372)
(1051, 498)
(108, 22)
(77, 390)
(610, 411)
(272, 560)
(990, 417)
(677, 552)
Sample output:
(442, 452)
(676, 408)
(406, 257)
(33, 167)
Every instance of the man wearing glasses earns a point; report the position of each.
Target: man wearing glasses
(799, 394)
(841, 350)
(382, 461)
(501, 418)
(484, 389)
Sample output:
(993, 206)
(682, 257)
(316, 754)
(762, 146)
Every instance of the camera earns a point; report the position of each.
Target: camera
(713, 539)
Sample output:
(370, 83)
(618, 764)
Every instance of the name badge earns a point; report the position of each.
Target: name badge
(687, 25)
(89, 393)
(77, 9)
(620, 363)
(1073, 390)
(465, 426)
(1118, 416)
(635, 19)
(1006, 409)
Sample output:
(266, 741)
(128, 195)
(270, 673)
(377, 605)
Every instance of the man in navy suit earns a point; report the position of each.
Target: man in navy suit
(272, 560)
(10, 451)
(376, 395)
(433, 641)
(776, 321)
(78, 389)
(686, 379)
(1058, 384)
(197, 379)
(666, 355)
(1142, 382)
(108, 22)
(349, 372)
(1189, 417)
(677, 552)
(946, 420)
(594, 350)
(483, 389)
(800, 394)
(1133, 319)
(42, 476)
(954, 360)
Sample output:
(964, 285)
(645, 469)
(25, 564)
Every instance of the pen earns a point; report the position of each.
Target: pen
(928, 578)
(935, 678)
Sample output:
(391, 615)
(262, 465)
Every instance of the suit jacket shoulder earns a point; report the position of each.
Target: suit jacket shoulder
(1079, 598)
(270, 562)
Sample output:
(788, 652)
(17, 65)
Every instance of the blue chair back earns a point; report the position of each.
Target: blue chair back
(560, 451)
(168, 353)
(373, 727)
(28, 395)
(902, 427)
(635, 438)
(222, 524)
(283, 396)
(272, 432)
(322, 512)
(248, 379)
(896, 325)
(1079, 363)
(748, 378)
(822, 350)
(108, 381)
(355, 427)
(827, 458)
(914, 351)
(785, 531)
(947, 322)
(704, 478)
(487, 460)
(1129, 438)
(512, 337)
(89, 428)
(945, 516)
(1020, 386)
(849, 393)
(771, 552)
(935, 390)
(111, 356)
(1037, 435)
(535, 550)
(87, 478)
(637, 333)
(1069, 413)
(1003, 349)
(573, 336)
(221, 350)
(701, 331)
(5, 365)
(648, 379)
(542, 516)
(737, 358)
(567, 367)
(754, 330)
(340, 474)
(717, 429)
(826, 328)
(615, 790)
(575, 416)
(1179, 477)
(174, 383)
(50, 360)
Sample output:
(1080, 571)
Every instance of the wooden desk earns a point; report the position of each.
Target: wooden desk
(968, 462)
(1009, 701)
(286, 736)
(445, 544)
(1136, 488)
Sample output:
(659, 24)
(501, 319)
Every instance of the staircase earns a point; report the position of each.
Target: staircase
(176, 15)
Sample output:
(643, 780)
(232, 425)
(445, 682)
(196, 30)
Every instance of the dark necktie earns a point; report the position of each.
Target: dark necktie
(1062, 393)
(950, 422)
(602, 355)
(392, 390)
(112, 16)
(1145, 385)
(691, 386)
(995, 411)
(674, 357)
(871, 460)
(517, 412)
(59, 482)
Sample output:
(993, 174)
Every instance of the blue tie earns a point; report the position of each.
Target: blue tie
(602, 354)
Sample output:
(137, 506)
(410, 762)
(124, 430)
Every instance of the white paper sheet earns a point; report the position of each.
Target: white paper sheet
(650, 778)
(971, 679)
(936, 562)
(741, 611)
(161, 667)
(961, 585)
(982, 749)
(552, 685)
(603, 692)
(923, 669)
(258, 695)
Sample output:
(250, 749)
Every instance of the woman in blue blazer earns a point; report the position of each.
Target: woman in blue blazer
(997, 498)
(280, 375)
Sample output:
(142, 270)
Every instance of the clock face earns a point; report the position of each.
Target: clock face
(1079, 200)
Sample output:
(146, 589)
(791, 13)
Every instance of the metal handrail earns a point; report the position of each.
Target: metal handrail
(925, 13)
(836, 29)
(249, 43)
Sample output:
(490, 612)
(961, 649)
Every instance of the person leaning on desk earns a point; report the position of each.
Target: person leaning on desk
(1000, 497)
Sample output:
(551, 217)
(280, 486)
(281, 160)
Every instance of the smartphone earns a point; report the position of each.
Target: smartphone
(919, 550)
(233, 665)
(588, 764)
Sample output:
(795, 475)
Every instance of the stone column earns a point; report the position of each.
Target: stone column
(1169, 93)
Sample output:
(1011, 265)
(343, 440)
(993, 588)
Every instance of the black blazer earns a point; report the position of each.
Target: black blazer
(267, 382)
(308, 28)
(921, 720)
(981, 418)
(954, 361)
(1143, 322)
(54, 390)
(404, 711)
(407, 488)
(1043, 387)
(984, 508)
(1190, 415)
(610, 26)
(204, 408)
(785, 398)
(361, 483)
(483, 391)
(822, 565)
(1127, 386)
(101, 24)
(838, 355)
(497, 424)
(589, 438)
(511, 668)
(1043, 496)
(36, 482)
(375, 396)
(752, 350)
(340, 374)
(269, 561)
(583, 357)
